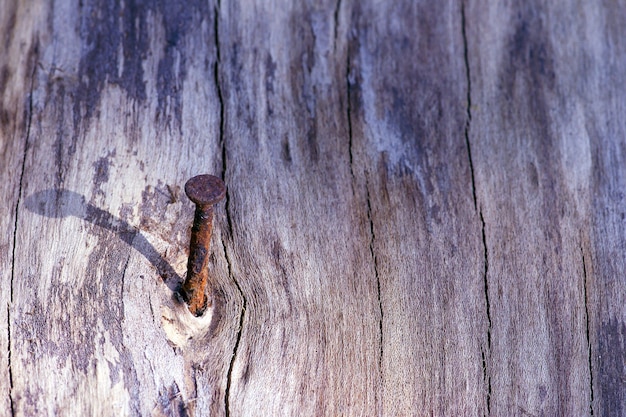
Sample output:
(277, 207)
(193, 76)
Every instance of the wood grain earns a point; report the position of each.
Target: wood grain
(305, 268)
(18, 55)
(424, 211)
(411, 163)
(538, 157)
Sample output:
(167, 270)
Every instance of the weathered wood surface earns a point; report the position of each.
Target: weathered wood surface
(425, 207)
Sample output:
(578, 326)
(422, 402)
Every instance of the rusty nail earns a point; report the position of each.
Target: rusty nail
(204, 191)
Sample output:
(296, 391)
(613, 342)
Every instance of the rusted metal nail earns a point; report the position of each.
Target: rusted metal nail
(204, 191)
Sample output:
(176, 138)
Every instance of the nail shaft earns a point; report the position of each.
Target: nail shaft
(204, 191)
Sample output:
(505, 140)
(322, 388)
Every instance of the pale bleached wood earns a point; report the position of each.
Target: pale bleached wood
(123, 114)
(384, 249)
(18, 52)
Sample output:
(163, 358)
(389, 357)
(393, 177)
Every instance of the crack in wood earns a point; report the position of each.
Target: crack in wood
(124, 276)
(468, 121)
(336, 20)
(582, 253)
(239, 330)
(190, 407)
(486, 375)
(218, 87)
(237, 341)
(380, 304)
(9, 353)
(468, 118)
(227, 208)
(349, 83)
(241, 314)
(17, 209)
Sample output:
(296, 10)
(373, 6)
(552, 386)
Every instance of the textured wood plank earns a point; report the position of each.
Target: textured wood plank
(538, 158)
(424, 216)
(408, 106)
(310, 338)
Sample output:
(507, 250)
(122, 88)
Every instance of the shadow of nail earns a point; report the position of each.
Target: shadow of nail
(63, 203)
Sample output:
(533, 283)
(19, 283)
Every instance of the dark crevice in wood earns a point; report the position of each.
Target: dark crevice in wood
(17, 210)
(228, 211)
(152, 315)
(468, 118)
(218, 88)
(336, 19)
(237, 339)
(194, 377)
(380, 304)
(243, 308)
(124, 276)
(486, 375)
(587, 330)
(485, 378)
(9, 355)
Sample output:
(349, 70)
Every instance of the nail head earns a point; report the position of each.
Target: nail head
(205, 189)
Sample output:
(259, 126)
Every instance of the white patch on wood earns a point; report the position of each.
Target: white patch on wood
(181, 326)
